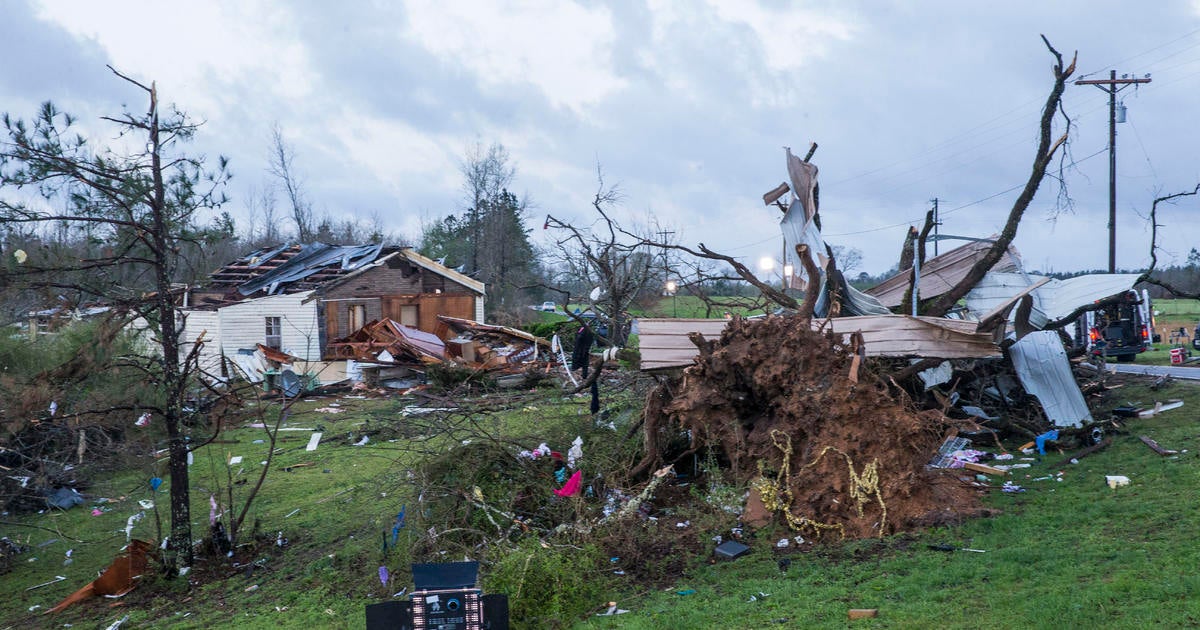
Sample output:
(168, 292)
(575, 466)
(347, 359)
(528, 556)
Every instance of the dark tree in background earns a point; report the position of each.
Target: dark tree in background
(140, 206)
(488, 240)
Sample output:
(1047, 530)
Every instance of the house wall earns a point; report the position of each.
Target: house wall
(383, 291)
(243, 325)
(207, 323)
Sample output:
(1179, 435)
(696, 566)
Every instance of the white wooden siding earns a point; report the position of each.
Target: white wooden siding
(243, 325)
(195, 324)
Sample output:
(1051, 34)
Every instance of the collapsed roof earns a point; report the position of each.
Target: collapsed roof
(292, 268)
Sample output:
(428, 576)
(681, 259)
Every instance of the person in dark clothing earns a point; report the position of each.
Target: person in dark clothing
(580, 358)
(583, 348)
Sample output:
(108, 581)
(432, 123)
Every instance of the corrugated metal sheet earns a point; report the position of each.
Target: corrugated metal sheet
(1054, 300)
(940, 273)
(1042, 366)
(664, 343)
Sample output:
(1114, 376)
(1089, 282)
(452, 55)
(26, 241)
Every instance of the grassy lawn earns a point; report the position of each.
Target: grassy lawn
(1071, 553)
(1067, 553)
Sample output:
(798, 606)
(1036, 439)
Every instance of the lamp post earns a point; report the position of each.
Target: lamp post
(671, 288)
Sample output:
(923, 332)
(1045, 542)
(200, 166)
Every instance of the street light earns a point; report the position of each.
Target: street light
(671, 288)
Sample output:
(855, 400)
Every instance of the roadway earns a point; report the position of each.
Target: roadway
(1174, 371)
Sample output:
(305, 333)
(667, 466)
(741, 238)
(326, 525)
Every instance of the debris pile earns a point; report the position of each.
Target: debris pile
(821, 438)
(388, 341)
(491, 347)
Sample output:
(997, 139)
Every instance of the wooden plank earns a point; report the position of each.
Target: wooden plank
(981, 468)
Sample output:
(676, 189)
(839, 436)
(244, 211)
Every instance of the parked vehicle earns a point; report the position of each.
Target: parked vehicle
(1119, 328)
(548, 307)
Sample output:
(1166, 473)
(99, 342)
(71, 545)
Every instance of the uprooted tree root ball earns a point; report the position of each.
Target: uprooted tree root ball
(833, 453)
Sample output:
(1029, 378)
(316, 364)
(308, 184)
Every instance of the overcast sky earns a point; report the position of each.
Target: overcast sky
(686, 105)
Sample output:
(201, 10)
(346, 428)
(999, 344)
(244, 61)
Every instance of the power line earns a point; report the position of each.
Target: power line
(965, 205)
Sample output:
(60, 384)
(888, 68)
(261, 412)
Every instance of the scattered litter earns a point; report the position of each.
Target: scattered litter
(401, 592)
(1160, 407)
(571, 488)
(118, 579)
(783, 564)
(129, 524)
(329, 410)
(143, 420)
(1116, 481)
(117, 624)
(575, 453)
(541, 451)
(612, 610)
(235, 460)
(97, 512)
(292, 513)
(761, 595)
(731, 550)
(363, 441)
(618, 572)
(57, 578)
(252, 587)
(313, 441)
(1041, 440)
(686, 592)
(64, 498)
(383, 575)
(34, 607)
(1011, 487)
(782, 543)
(683, 524)
(863, 613)
(155, 483)
(1004, 456)
(146, 504)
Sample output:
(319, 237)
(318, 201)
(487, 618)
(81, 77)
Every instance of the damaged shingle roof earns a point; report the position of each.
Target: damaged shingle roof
(293, 268)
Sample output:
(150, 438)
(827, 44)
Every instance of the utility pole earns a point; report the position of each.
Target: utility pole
(936, 223)
(1112, 85)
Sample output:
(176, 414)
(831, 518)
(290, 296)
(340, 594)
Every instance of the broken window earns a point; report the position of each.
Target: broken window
(274, 335)
(358, 316)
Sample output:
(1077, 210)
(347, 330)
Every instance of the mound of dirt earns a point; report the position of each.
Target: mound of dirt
(832, 455)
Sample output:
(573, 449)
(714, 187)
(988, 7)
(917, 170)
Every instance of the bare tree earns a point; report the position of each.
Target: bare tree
(619, 262)
(1042, 157)
(282, 168)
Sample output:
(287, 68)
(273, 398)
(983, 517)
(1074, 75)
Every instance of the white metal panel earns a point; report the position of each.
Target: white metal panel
(479, 308)
(243, 325)
(1042, 366)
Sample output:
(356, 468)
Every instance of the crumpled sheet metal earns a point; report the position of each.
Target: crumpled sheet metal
(1054, 300)
(1042, 366)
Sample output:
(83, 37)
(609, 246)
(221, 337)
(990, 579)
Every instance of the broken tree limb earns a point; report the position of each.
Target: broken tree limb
(1155, 447)
(813, 286)
(1085, 452)
(1042, 157)
(775, 193)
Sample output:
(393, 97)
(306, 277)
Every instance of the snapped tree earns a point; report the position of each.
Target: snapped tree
(140, 199)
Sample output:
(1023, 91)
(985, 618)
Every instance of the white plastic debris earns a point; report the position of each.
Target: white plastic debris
(129, 524)
(363, 441)
(1116, 481)
(235, 460)
(313, 441)
(782, 543)
(576, 452)
(143, 420)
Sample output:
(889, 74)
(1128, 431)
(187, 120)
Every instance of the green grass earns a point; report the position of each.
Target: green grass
(1065, 554)
(1068, 554)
